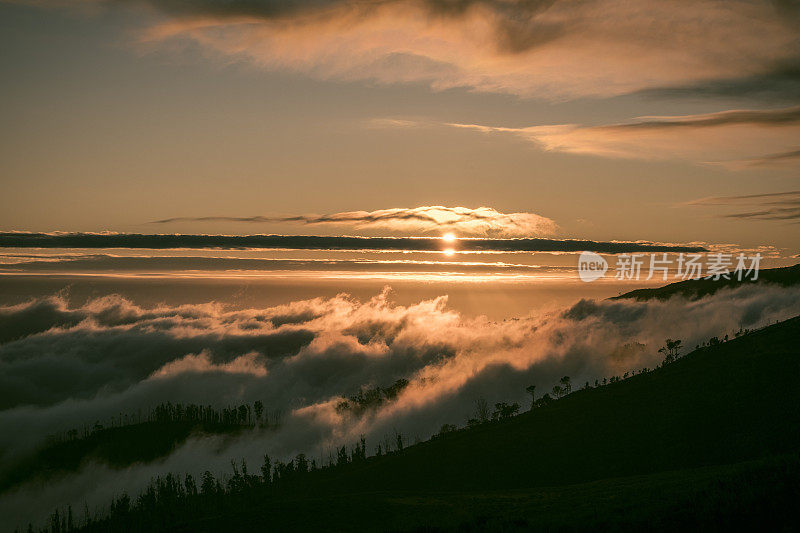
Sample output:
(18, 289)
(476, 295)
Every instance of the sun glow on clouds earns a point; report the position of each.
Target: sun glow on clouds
(544, 49)
(480, 221)
(762, 137)
(202, 363)
(450, 239)
(303, 358)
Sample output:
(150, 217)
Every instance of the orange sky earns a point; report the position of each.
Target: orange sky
(599, 120)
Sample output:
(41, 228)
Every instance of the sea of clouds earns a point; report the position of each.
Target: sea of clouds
(65, 367)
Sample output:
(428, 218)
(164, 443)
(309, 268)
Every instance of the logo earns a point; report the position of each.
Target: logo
(591, 266)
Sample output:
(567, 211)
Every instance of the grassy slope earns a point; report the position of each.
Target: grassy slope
(697, 288)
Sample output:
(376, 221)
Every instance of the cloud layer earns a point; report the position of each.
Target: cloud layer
(305, 242)
(545, 48)
(483, 221)
(781, 206)
(767, 137)
(63, 367)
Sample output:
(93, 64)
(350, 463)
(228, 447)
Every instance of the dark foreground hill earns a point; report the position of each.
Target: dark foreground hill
(710, 441)
(697, 288)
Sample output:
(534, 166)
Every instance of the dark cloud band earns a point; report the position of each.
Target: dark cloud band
(783, 206)
(780, 83)
(772, 117)
(309, 242)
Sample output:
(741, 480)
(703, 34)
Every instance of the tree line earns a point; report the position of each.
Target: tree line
(168, 498)
(230, 417)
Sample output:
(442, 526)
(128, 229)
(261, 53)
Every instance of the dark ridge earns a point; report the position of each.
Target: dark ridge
(697, 288)
(730, 402)
(131, 439)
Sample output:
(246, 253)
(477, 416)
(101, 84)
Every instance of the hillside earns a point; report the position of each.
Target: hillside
(723, 404)
(697, 288)
(712, 439)
(116, 447)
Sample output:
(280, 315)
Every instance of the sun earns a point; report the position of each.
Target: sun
(449, 237)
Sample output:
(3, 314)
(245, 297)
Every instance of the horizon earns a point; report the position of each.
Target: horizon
(371, 244)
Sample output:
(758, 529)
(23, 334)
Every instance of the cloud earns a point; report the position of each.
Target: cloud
(202, 363)
(781, 206)
(305, 242)
(243, 266)
(771, 117)
(111, 356)
(719, 138)
(483, 221)
(110, 344)
(770, 160)
(779, 83)
(544, 48)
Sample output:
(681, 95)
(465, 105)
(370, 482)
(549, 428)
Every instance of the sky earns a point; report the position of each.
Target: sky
(656, 121)
(292, 200)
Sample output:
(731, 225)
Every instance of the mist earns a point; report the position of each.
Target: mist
(67, 367)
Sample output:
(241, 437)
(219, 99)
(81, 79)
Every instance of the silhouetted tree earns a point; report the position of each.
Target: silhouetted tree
(190, 485)
(301, 463)
(243, 414)
(341, 456)
(566, 385)
(359, 452)
(258, 408)
(481, 410)
(670, 350)
(387, 443)
(209, 484)
(266, 469)
(370, 398)
(502, 410)
(531, 389)
(446, 428)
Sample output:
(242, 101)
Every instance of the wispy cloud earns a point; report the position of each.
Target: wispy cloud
(782, 206)
(544, 48)
(719, 138)
(770, 160)
(779, 83)
(483, 221)
(770, 117)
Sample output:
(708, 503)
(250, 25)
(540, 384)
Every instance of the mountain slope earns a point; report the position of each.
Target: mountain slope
(697, 288)
(722, 404)
(709, 441)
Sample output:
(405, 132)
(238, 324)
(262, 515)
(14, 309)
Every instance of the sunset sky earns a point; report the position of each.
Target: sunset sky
(662, 121)
(300, 203)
